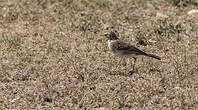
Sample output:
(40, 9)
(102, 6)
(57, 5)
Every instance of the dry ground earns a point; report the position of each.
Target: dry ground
(53, 54)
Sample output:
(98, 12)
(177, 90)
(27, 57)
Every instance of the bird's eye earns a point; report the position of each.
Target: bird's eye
(106, 35)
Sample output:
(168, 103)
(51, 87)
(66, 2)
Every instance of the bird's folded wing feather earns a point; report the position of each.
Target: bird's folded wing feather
(127, 48)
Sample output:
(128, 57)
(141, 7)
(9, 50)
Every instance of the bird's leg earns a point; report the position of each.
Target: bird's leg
(124, 63)
(134, 62)
(119, 62)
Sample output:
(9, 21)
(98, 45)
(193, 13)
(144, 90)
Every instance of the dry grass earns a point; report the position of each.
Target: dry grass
(54, 56)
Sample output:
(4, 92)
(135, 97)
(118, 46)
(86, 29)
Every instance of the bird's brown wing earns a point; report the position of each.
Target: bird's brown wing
(126, 48)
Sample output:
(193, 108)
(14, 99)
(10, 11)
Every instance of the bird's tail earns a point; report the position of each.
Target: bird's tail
(154, 56)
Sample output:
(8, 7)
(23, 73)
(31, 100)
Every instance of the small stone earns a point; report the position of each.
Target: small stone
(194, 11)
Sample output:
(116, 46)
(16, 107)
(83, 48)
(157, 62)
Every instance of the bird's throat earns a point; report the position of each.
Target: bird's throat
(109, 44)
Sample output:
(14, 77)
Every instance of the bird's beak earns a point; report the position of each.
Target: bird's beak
(106, 35)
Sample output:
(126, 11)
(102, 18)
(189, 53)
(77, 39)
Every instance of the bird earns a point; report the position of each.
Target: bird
(124, 50)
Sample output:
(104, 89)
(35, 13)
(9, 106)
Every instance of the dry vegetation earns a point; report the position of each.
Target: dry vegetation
(54, 56)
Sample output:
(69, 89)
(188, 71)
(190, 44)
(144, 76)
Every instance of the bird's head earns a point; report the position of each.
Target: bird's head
(111, 36)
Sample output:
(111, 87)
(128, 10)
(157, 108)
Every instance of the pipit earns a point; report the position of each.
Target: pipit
(124, 50)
